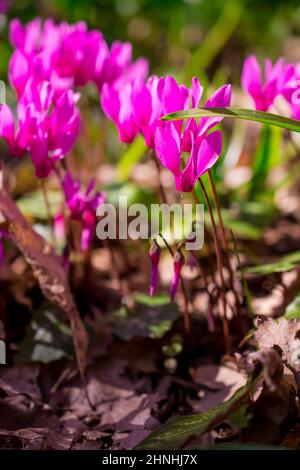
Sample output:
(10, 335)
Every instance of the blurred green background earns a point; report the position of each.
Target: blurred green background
(182, 36)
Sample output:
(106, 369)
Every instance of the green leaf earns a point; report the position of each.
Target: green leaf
(293, 309)
(261, 163)
(286, 263)
(152, 301)
(237, 113)
(48, 338)
(129, 159)
(267, 157)
(149, 319)
(241, 227)
(177, 431)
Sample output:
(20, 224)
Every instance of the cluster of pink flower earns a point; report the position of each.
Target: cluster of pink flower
(264, 86)
(67, 56)
(48, 62)
(137, 106)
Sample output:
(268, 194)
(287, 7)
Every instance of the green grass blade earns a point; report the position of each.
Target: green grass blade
(237, 113)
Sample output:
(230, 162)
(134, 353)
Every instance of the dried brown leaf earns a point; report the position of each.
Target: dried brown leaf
(47, 270)
(283, 334)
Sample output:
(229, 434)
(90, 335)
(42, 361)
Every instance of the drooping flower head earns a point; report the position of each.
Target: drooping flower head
(154, 254)
(116, 102)
(204, 148)
(265, 89)
(83, 206)
(178, 264)
(137, 106)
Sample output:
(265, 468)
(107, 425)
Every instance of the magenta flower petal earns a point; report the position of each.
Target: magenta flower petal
(277, 81)
(171, 95)
(142, 104)
(83, 206)
(60, 227)
(88, 229)
(251, 76)
(7, 125)
(178, 264)
(39, 156)
(154, 254)
(220, 99)
(196, 92)
(208, 153)
(187, 178)
(167, 147)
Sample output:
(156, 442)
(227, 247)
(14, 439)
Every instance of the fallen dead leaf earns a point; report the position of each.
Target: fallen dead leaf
(283, 334)
(47, 270)
(220, 384)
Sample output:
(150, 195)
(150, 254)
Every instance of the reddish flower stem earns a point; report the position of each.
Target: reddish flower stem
(223, 236)
(218, 250)
(186, 317)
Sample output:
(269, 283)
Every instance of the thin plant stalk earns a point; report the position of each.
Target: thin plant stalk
(186, 317)
(217, 205)
(48, 209)
(244, 282)
(218, 250)
(223, 234)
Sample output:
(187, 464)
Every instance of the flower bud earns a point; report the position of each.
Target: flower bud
(154, 254)
(178, 264)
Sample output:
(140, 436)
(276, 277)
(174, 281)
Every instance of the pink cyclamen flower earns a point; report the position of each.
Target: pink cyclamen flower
(83, 206)
(264, 90)
(204, 148)
(46, 129)
(136, 106)
(116, 103)
(154, 254)
(116, 64)
(59, 226)
(68, 55)
(291, 92)
(155, 98)
(178, 265)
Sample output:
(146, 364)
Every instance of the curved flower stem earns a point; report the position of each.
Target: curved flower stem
(226, 331)
(72, 243)
(186, 317)
(48, 210)
(224, 239)
(217, 204)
